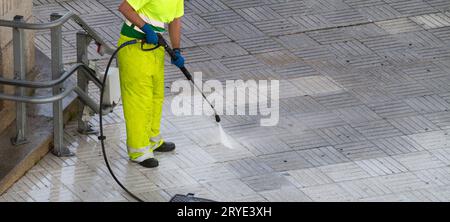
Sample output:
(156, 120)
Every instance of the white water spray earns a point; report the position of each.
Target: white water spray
(224, 138)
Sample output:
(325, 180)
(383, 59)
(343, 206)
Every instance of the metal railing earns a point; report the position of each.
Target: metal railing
(59, 76)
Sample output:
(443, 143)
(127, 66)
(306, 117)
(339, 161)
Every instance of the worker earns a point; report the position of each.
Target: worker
(142, 73)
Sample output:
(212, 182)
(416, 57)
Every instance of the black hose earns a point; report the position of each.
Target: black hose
(102, 137)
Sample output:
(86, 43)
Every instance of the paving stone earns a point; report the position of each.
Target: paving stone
(410, 7)
(295, 41)
(200, 6)
(207, 37)
(328, 193)
(290, 194)
(398, 145)
(242, 63)
(312, 85)
(384, 43)
(300, 104)
(413, 124)
(304, 140)
(398, 26)
(258, 13)
(420, 196)
(241, 30)
(364, 31)
(285, 161)
(248, 167)
(325, 5)
(442, 192)
(419, 160)
(402, 182)
(381, 166)
(319, 120)
(430, 21)
(259, 45)
(330, 36)
(357, 114)
(314, 53)
(309, 22)
(364, 188)
(386, 198)
(249, 198)
(229, 189)
(393, 109)
(290, 91)
(195, 23)
(345, 17)
(440, 119)
(356, 80)
(191, 157)
(266, 182)
(435, 176)
(432, 140)
(222, 18)
(428, 104)
(289, 8)
(372, 95)
(277, 27)
(268, 145)
(408, 90)
(439, 4)
(277, 58)
(156, 196)
(379, 12)
(437, 85)
(442, 154)
(441, 33)
(170, 178)
(344, 171)
(323, 156)
(207, 173)
(425, 71)
(223, 154)
(363, 3)
(307, 177)
(360, 150)
(223, 50)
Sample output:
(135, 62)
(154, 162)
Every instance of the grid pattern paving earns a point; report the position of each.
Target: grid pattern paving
(364, 106)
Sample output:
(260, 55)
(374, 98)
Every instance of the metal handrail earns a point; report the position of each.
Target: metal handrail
(55, 82)
(59, 76)
(59, 22)
(39, 99)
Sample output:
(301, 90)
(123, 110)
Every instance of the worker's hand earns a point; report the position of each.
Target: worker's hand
(150, 35)
(179, 59)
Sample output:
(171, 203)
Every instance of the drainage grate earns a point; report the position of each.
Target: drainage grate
(189, 198)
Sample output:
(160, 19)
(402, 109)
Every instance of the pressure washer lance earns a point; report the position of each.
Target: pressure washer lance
(163, 43)
(102, 137)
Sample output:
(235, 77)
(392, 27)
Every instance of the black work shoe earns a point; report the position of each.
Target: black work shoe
(166, 147)
(150, 163)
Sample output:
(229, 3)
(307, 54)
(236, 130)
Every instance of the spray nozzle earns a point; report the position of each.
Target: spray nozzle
(218, 118)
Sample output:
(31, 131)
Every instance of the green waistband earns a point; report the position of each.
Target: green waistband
(129, 31)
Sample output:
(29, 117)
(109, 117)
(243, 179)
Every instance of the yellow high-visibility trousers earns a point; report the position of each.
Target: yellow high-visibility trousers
(142, 89)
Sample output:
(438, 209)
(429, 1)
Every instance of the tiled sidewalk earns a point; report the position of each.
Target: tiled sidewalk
(364, 102)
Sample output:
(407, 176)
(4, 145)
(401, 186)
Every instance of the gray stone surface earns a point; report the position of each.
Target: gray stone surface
(364, 106)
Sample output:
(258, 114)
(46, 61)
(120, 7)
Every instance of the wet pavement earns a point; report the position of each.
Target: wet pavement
(364, 106)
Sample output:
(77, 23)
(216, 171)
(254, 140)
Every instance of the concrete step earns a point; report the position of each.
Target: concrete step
(15, 161)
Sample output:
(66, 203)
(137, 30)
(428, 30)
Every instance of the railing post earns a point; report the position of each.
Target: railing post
(20, 74)
(57, 69)
(83, 40)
